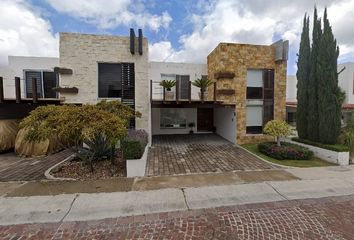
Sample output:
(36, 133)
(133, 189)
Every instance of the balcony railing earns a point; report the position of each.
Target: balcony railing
(181, 93)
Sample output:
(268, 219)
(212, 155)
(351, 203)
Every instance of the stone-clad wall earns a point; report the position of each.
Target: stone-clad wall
(237, 58)
(83, 52)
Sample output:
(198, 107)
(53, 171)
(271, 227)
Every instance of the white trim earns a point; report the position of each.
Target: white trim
(49, 176)
(136, 167)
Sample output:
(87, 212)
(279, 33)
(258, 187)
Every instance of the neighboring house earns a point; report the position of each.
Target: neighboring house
(249, 86)
(345, 82)
(27, 68)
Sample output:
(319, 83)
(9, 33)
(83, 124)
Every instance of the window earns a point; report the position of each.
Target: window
(183, 83)
(255, 84)
(291, 118)
(109, 80)
(173, 118)
(260, 99)
(46, 81)
(254, 119)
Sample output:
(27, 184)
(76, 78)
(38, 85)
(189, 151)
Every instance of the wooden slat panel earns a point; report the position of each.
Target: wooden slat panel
(268, 95)
(1, 90)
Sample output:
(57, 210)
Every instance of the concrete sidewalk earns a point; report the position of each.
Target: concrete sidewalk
(314, 183)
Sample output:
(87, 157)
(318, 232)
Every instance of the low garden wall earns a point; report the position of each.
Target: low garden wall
(340, 158)
(136, 167)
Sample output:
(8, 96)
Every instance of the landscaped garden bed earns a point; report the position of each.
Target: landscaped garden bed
(97, 134)
(78, 170)
(335, 153)
(284, 153)
(312, 162)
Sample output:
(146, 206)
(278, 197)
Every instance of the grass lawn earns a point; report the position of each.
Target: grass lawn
(313, 162)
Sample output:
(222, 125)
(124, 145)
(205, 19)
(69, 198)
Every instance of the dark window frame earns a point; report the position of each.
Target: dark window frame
(41, 91)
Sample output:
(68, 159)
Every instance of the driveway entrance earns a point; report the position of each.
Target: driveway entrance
(198, 153)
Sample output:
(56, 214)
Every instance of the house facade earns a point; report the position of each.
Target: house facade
(248, 84)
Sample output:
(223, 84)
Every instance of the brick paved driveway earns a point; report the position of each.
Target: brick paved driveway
(198, 153)
(13, 168)
(326, 218)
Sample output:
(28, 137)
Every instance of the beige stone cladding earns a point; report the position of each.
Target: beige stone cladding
(236, 59)
(83, 52)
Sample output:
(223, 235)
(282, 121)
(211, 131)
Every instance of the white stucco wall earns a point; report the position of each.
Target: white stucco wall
(191, 116)
(346, 80)
(16, 67)
(157, 68)
(83, 52)
(225, 122)
(291, 88)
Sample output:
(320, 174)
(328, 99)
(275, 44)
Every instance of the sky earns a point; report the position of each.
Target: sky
(177, 30)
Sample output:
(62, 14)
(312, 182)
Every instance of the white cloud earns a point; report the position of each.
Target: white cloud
(23, 32)
(108, 14)
(257, 22)
(160, 51)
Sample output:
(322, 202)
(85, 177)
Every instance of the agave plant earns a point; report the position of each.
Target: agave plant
(168, 84)
(202, 83)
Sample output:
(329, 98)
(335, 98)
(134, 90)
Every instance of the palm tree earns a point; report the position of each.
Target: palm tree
(203, 84)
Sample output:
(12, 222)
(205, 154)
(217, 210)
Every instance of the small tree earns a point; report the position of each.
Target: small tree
(277, 129)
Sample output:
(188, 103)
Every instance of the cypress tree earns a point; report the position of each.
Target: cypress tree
(328, 102)
(302, 75)
(313, 115)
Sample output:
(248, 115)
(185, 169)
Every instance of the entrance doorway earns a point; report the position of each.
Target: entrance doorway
(205, 119)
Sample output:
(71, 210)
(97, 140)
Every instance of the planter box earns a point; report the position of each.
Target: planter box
(229, 75)
(228, 92)
(63, 71)
(136, 167)
(67, 90)
(340, 158)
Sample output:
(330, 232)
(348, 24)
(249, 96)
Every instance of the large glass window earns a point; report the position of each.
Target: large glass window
(109, 80)
(173, 118)
(46, 81)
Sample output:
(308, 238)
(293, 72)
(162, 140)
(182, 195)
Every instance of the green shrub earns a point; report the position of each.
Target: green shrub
(286, 151)
(131, 149)
(332, 147)
(134, 144)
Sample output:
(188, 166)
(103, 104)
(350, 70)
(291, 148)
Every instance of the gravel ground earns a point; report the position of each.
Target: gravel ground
(102, 170)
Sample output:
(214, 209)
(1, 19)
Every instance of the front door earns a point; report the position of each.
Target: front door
(205, 119)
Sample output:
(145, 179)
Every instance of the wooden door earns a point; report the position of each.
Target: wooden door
(205, 119)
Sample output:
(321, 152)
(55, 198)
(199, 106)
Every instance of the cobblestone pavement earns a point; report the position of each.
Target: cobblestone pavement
(14, 168)
(198, 153)
(326, 218)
